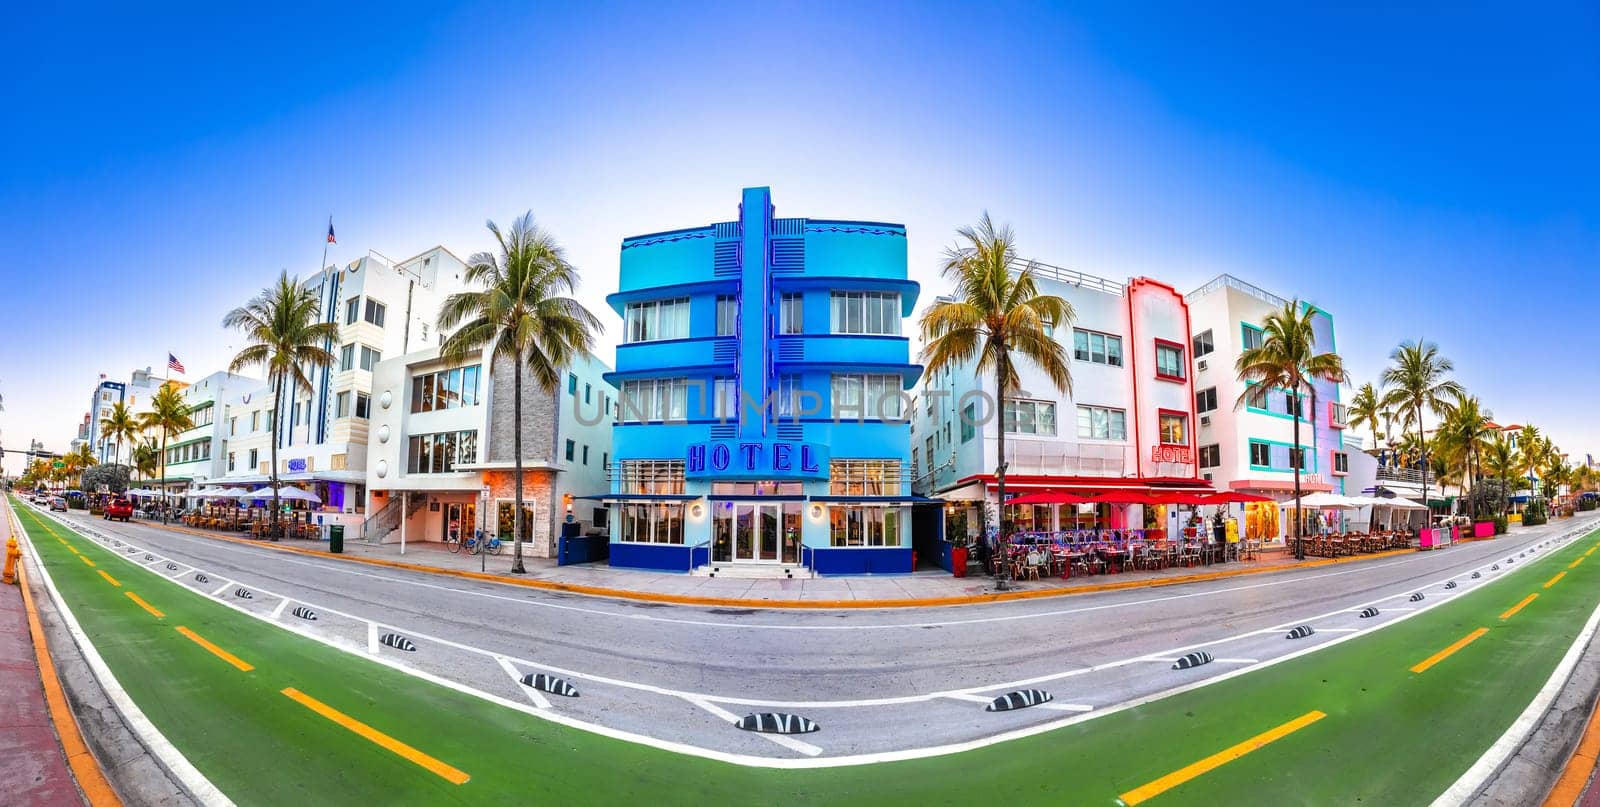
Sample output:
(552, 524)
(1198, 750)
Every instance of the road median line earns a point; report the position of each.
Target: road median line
(444, 771)
(1156, 787)
(1554, 580)
(142, 604)
(1428, 662)
(109, 578)
(85, 559)
(1574, 564)
(1519, 606)
(244, 666)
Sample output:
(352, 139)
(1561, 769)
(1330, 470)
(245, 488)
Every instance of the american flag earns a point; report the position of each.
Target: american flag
(330, 232)
(174, 364)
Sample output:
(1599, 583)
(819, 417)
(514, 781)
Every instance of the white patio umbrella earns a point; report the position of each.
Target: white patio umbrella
(1325, 501)
(290, 493)
(258, 493)
(233, 492)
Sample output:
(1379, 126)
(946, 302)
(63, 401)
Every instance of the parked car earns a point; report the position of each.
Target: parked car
(58, 503)
(119, 510)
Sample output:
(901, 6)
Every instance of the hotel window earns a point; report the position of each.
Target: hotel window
(1210, 456)
(655, 399)
(439, 453)
(651, 477)
(929, 443)
(375, 312)
(866, 312)
(230, 460)
(1030, 417)
(233, 426)
(1169, 361)
(572, 383)
(788, 396)
(1297, 456)
(871, 396)
(1174, 429)
(1260, 454)
(588, 393)
(585, 455)
(969, 422)
(369, 358)
(571, 449)
(1096, 347)
(1205, 400)
(1101, 423)
(255, 422)
(866, 524)
(725, 398)
(254, 458)
(444, 389)
(347, 357)
(727, 315)
(363, 405)
(791, 313)
(1341, 462)
(1252, 337)
(341, 405)
(1203, 343)
(657, 319)
(352, 309)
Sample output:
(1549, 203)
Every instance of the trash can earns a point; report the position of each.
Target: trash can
(336, 539)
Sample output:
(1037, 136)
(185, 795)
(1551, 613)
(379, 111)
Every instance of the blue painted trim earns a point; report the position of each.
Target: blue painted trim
(618, 300)
(862, 560)
(655, 557)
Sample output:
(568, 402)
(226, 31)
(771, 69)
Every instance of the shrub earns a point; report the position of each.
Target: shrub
(1500, 525)
(1535, 514)
(1588, 503)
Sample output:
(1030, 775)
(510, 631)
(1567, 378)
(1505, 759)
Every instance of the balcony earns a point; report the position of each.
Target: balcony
(841, 350)
(670, 354)
(1392, 474)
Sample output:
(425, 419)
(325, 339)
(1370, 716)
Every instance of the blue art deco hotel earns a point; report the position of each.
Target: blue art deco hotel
(763, 416)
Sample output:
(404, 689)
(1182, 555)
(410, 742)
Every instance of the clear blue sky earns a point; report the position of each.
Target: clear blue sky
(1430, 173)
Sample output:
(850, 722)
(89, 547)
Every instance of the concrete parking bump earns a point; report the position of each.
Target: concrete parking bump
(1020, 699)
(1192, 660)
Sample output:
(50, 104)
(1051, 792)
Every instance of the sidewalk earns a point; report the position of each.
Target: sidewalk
(926, 588)
(35, 770)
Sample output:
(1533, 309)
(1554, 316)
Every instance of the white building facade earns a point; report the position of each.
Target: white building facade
(198, 455)
(1250, 448)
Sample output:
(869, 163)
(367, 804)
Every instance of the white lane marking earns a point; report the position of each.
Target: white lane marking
(787, 742)
(1337, 630)
(190, 777)
(839, 761)
(534, 695)
(1237, 661)
(372, 637)
(398, 579)
(282, 604)
(221, 588)
(1476, 776)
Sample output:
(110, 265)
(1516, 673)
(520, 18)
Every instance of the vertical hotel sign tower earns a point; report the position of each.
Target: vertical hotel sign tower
(755, 356)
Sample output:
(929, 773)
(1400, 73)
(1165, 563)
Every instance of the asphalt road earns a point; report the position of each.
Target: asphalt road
(882, 683)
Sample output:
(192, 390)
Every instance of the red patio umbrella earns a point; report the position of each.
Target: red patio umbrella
(1181, 497)
(1053, 498)
(1235, 497)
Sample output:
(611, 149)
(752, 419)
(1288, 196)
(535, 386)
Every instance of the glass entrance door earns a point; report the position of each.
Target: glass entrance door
(756, 533)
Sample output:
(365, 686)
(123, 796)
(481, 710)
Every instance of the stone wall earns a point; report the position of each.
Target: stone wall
(538, 491)
(538, 416)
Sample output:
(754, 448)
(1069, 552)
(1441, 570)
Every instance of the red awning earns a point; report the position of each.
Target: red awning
(1235, 497)
(1054, 498)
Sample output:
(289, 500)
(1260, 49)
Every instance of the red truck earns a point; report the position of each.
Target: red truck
(119, 510)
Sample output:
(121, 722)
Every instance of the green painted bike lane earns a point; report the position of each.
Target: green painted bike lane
(1390, 736)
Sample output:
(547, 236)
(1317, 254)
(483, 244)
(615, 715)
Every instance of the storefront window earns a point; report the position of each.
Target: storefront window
(651, 523)
(652, 477)
(864, 525)
(864, 478)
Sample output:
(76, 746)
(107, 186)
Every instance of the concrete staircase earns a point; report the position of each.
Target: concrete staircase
(752, 571)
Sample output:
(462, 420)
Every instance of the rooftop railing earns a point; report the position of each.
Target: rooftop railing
(1072, 277)
(1229, 281)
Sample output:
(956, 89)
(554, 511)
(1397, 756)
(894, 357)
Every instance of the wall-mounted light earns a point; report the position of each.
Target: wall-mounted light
(816, 511)
(697, 510)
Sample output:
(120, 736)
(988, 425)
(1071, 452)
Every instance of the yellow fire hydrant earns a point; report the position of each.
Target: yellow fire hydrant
(12, 553)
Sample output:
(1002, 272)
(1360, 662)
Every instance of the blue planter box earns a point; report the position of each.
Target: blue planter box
(880, 560)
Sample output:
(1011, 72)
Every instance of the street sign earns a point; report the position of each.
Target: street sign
(58, 464)
(485, 491)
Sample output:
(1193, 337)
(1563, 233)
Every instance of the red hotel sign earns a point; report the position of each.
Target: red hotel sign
(1171, 454)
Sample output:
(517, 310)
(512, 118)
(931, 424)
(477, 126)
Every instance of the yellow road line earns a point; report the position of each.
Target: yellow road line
(85, 559)
(1450, 651)
(1554, 580)
(1591, 551)
(1574, 564)
(142, 604)
(73, 549)
(243, 665)
(434, 766)
(1156, 787)
(1519, 606)
(110, 579)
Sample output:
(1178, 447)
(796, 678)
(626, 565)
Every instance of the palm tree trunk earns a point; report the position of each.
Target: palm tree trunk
(272, 429)
(163, 459)
(516, 466)
(1296, 458)
(1002, 540)
(1422, 445)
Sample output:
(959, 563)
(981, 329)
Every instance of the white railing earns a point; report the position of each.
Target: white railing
(1229, 281)
(1071, 277)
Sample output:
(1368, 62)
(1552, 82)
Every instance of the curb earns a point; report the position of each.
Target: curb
(688, 599)
(1579, 768)
(85, 767)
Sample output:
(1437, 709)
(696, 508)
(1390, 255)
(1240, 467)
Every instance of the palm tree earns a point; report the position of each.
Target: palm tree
(520, 313)
(1287, 359)
(1419, 379)
(286, 337)
(1501, 460)
(118, 424)
(145, 458)
(168, 417)
(78, 460)
(997, 316)
(1465, 434)
(1365, 410)
(1530, 454)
